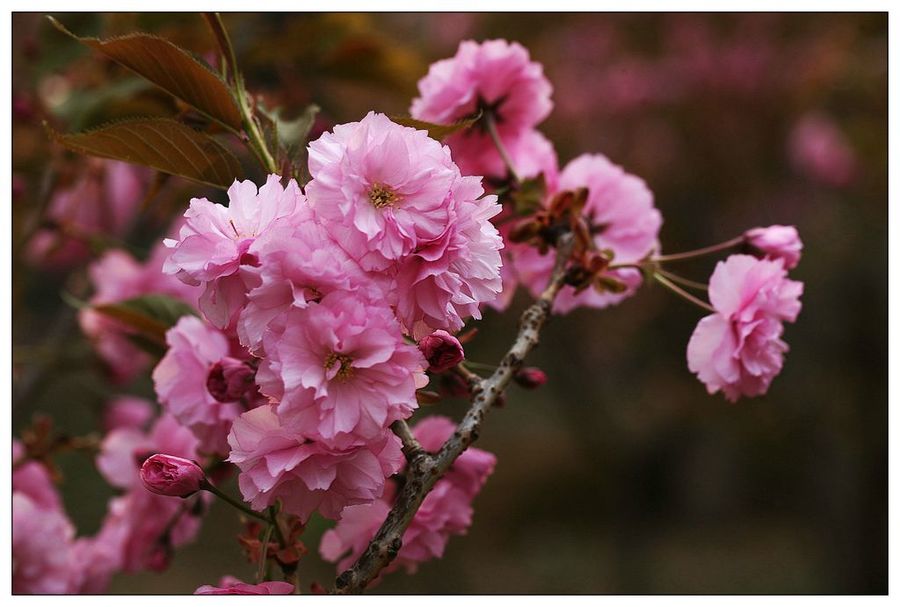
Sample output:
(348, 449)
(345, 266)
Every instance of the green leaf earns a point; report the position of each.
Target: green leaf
(160, 143)
(437, 131)
(293, 133)
(172, 69)
(148, 317)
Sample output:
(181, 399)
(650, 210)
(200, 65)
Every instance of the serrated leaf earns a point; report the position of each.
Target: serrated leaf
(148, 316)
(437, 131)
(161, 143)
(172, 69)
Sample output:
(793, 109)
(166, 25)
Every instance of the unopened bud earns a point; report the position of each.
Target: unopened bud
(776, 242)
(230, 380)
(530, 378)
(173, 476)
(441, 350)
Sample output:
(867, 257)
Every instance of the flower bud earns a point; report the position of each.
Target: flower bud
(172, 476)
(776, 242)
(442, 350)
(530, 378)
(230, 380)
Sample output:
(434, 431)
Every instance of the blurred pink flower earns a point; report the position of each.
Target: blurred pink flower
(739, 350)
(102, 202)
(127, 412)
(41, 549)
(818, 148)
(620, 209)
(232, 585)
(307, 476)
(117, 277)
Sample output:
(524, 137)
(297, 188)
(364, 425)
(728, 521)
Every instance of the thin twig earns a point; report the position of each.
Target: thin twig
(722, 246)
(682, 293)
(411, 447)
(425, 471)
(491, 126)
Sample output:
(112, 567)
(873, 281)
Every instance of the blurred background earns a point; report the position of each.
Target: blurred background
(621, 475)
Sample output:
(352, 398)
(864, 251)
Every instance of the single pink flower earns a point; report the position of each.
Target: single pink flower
(117, 277)
(739, 350)
(342, 370)
(446, 282)
(232, 585)
(212, 246)
(170, 475)
(182, 380)
(620, 209)
(307, 476)
(496, 75)
(381, 189)
(441, 350)
(776, 242)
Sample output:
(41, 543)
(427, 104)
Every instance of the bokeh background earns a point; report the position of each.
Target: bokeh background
(621, 475)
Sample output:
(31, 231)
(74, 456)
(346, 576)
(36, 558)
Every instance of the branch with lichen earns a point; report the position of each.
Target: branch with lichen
(425, 469)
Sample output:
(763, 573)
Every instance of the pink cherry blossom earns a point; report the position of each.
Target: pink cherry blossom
(381, 189)
(297, 265)
(494, 74)
(445, 282)
(341, 369)
(307, 476)
(102, 202)
(32, 479)
(620, 207)
(41, 549)
(127, 412)
(446, 511)
(117, 277)
(776, 242)
(181, 380)
(530, 153)
(442, 351)
(213, 244)
(232, 585)
(739, 350)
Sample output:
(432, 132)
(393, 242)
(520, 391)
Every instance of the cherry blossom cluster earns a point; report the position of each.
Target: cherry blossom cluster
(323, 308)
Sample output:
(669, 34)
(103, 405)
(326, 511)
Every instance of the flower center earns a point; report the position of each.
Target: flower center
(346, 370)
(382, 196)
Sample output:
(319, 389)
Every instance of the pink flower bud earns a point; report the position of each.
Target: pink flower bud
(170, 475)
(442, 350)
(231, 380)
(776, 242)
(530, 378)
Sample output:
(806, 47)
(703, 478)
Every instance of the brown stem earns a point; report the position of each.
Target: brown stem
(424, 471)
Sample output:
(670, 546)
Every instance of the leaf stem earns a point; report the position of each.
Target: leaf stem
(682, 293)
(722, 246)
(251, 126)
(491, 125)
(207, 486)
